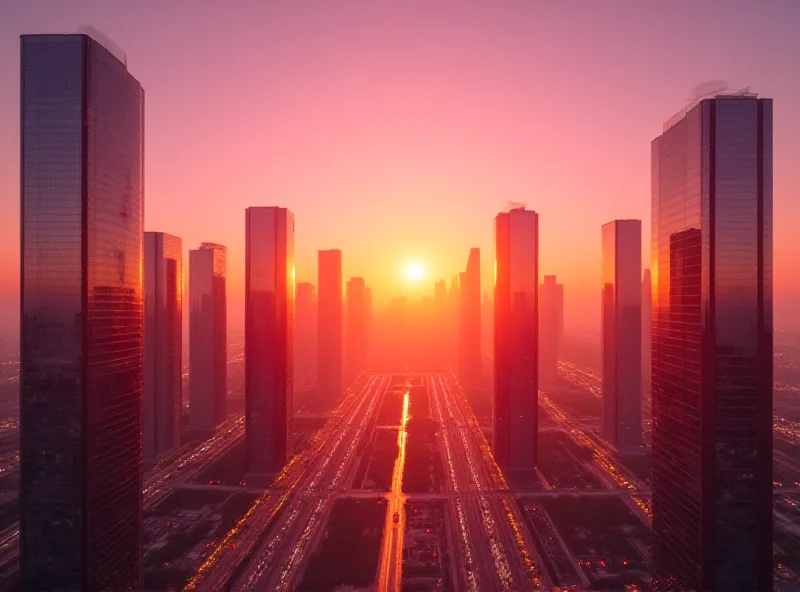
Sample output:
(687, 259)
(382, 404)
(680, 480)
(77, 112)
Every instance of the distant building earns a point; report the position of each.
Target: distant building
(163, 344)
(516, 396)
(470, 322)
(621, 326)
(208, 339)
(357, 328)
(712, 347)
(647, 299)
(268, 338)
(305, 336)
(81, 325)
(551, 331)
(330, 341)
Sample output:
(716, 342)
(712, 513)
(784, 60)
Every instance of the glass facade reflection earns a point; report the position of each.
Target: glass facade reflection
(330, 357)
(208, 339)
(551, 331)
(712, 347)
(81, 350)
(516, 393)
(470, 325)
(163, 344)
(621, 324)
(357, 324)
(269, 338)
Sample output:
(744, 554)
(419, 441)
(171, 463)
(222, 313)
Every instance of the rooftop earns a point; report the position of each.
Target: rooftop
(715, 89)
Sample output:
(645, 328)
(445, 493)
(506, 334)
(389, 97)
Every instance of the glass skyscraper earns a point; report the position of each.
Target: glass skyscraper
(712, 346)
(330, 339)
(516, 395)
(208, 339)
(81, 349)
(269, 338)
(163, 351)
(551, 331)
(621, 340)
(469, 338)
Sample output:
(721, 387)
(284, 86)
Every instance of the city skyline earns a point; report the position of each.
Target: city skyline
(298, 129)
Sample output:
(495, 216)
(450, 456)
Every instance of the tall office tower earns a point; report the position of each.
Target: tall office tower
(469, 359)
(305, 336)
(81, 347)
(208, 339)
(621, 326)
(516, 395)
(163, 345)
(441, 324)
(330, 339)
(712, 346)
(551, 331)
(453, 321)
(357, 328)
(647, 299)
(487, 328)
(268, 338)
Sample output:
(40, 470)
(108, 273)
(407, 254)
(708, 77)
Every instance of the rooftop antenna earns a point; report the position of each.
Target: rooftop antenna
(514, 205)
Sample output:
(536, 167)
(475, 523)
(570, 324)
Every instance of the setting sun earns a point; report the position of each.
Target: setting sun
(414, 271)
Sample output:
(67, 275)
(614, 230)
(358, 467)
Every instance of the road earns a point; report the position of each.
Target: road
(266, 550)
(390, 565)
(495, 550)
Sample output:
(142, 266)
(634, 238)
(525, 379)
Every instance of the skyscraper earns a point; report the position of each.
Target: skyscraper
(357, 328)
(469, 358)
(330, 343)
(163, 345)
(647, 299)
(712, 346)
(621, 326)
(551, 331)
(305, 336)
(81, 347)
(208, 339)
(269, 338)
(516, 396)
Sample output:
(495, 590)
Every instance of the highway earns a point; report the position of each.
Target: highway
(495, 550)
(390, 564)
(269, 545)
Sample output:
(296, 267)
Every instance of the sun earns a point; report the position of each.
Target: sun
(414, 271)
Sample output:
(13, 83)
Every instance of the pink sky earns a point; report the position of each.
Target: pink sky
(399, 129)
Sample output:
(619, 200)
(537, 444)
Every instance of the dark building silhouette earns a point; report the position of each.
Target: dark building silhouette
(440, 334)
(81, 341)
(621, 326)
(551, 331)
(712, 346)
(469, 358)
(330, 340)
(647, 341)
(163, 345)
(357, 328)
(268, 338)
(516, 397)
(208, 339)
(305, 336)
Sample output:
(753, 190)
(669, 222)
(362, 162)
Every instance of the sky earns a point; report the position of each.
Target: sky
(397, 130)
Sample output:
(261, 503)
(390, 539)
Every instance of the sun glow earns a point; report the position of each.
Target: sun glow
(414, 271)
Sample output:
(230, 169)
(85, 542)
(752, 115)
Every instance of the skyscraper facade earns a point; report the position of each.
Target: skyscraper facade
(269, 338)
(516, 397)
(330, 344)
(357, 328)
(621, 327)
(163, 345)
(469, 350)
(305, 336)
(647, 299)
(712, 346)
(81, 347)
(208, 339)
(551, 330)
